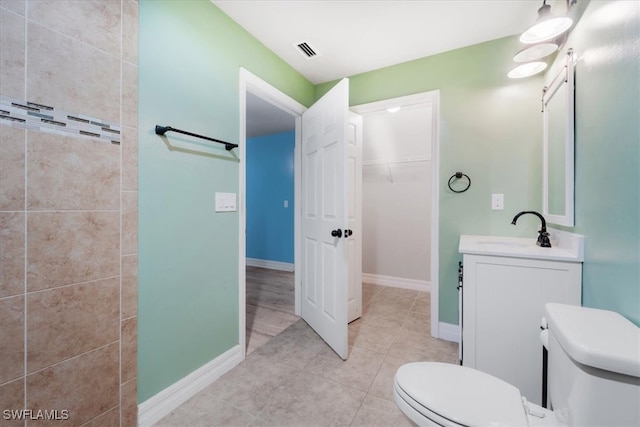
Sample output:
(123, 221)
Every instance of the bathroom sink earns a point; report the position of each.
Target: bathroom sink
(565, 246)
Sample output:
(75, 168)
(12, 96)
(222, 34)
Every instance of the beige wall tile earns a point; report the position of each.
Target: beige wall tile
(68, 74)
(12, 53)
(12, 163)
(96, 23)
(17, 6)
(111, 418)
(12, 338)
(129, 286)
(80, 317)
(129, 95)
(129, 222)
(86, 386)
(72, 173)
(12, 398)
(129, 146)
(64, 248)
(129, 403)
(11, 253)
(129, 348)
(130, 31)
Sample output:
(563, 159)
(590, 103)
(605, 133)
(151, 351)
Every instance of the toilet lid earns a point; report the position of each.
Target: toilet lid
(463, 395)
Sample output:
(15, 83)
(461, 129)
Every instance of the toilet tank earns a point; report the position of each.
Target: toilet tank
(594, 366)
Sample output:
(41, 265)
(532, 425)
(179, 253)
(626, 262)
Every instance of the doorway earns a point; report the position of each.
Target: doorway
(321, 152)
(270, 143)
(280, 105)
(423, 107)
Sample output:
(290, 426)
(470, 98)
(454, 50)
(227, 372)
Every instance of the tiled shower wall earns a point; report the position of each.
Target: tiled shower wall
(68, 215)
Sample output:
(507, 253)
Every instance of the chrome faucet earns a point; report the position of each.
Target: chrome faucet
(543, 237)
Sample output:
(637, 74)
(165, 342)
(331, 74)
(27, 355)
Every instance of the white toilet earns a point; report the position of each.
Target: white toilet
(593, 380)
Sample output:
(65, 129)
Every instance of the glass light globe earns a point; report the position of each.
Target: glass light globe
(526, 70)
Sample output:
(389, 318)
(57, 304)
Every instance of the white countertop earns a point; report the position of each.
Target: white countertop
(564, 246)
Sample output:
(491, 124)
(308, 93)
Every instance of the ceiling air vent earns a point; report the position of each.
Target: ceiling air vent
(306, 50)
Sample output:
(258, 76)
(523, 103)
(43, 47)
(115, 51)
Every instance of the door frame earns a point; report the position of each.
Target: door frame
(433, 98)
(249, 82)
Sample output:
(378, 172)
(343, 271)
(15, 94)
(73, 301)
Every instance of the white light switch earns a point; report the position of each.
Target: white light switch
(497, 202)
(225, 202)
(286, 203)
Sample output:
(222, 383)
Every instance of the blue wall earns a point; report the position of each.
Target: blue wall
(269, 184)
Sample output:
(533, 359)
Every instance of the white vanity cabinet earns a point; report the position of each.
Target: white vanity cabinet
(503, 298)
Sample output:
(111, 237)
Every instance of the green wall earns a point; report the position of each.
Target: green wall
(607, 126)
(190, 55)
(490, 129)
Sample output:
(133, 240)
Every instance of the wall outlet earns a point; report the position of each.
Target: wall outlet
(497, 202)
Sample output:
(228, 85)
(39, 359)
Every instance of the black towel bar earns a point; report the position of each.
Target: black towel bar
(161, 130)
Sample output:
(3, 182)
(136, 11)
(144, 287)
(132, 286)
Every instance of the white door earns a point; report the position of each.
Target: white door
(354, 214)
(324, 217)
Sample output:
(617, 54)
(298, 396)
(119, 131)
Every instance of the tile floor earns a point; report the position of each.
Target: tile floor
(295, 378)
(270, 305)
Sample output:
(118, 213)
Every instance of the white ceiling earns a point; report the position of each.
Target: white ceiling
(356, 36)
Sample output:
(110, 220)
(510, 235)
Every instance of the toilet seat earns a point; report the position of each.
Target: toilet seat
(457, 396)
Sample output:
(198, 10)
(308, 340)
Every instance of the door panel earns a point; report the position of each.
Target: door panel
(324, 285)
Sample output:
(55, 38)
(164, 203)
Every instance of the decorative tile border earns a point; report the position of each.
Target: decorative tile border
(38, 117)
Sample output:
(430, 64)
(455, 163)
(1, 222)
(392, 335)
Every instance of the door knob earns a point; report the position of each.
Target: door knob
(347, 232)
(336, 233)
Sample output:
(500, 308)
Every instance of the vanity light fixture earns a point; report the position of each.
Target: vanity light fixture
(526, 70)
(547, 26)
(543, 38)
(535, 52)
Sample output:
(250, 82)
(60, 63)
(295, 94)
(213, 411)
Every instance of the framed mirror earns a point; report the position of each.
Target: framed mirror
(558, 146)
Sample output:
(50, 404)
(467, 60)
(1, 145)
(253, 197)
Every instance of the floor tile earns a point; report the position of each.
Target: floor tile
(296, 346)
(358, 371)
(268, 321)
(255, 339)
(270, 307)
(201, 410)
(382, 385)
(375, 337)
(251, 384)
(412, 346)
(308, 400)
(380, 412)
(295, 378)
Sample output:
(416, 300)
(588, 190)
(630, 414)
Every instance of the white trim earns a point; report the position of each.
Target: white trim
(565, 76)
(271, 265)
(157, 407)
(449, 332)
(397, 282)
(432, 97)
(297, 219)
(435, 215)
(249, 82)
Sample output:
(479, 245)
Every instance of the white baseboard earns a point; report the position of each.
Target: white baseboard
(157, 407)
(272, 265)
(449, 332)
(397, 282)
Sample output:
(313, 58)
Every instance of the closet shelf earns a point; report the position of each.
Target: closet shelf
(392, 162)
